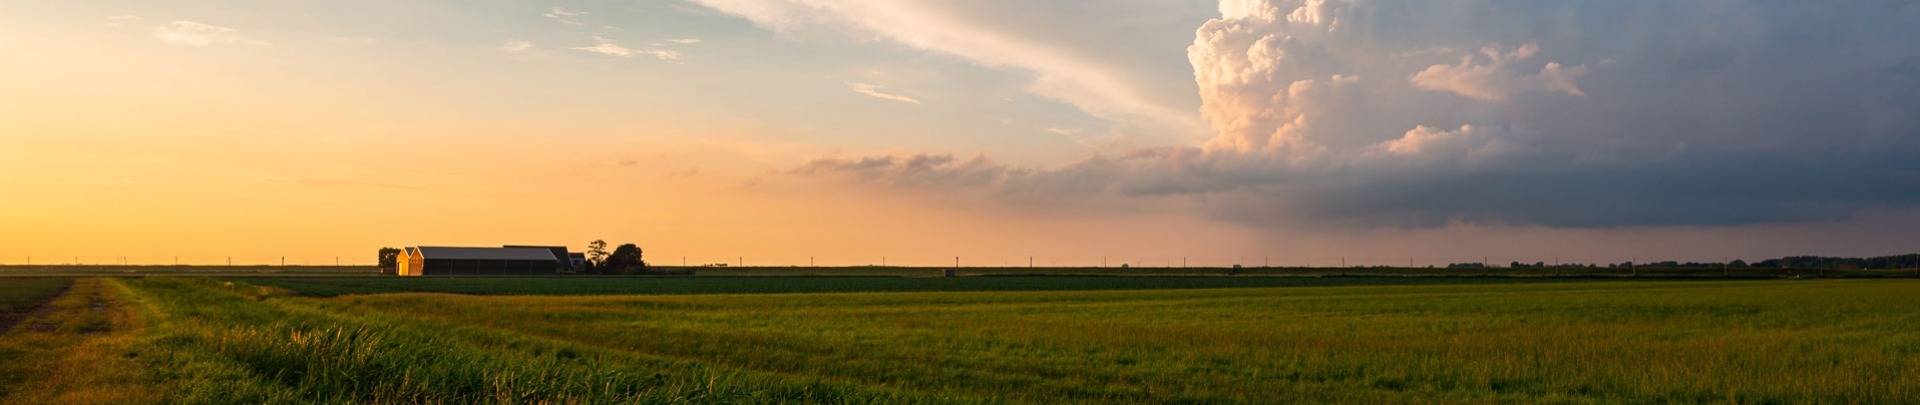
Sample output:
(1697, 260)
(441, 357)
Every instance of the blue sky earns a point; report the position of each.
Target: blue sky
(1228, 129)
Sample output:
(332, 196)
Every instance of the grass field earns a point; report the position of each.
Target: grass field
(1774, 341)
(21, 293)
(332, 286)
(203, 340)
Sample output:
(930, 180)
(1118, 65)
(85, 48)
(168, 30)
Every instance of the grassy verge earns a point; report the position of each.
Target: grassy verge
(84, 350)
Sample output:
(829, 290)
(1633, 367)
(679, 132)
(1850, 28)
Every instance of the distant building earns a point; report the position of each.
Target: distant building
(484, 261)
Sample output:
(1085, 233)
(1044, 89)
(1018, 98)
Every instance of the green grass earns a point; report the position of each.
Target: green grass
(19, 294)
(1819, 341)
(574, 285)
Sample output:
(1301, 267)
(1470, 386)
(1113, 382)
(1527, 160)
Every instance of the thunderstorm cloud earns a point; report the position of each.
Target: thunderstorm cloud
(1559, 113)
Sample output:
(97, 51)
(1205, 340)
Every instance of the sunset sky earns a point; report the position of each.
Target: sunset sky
(1142, 131)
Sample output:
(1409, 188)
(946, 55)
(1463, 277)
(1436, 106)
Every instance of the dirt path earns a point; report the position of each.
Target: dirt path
(81, 347)
(39, 309)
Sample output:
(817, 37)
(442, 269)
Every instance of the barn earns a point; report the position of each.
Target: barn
(482, 261)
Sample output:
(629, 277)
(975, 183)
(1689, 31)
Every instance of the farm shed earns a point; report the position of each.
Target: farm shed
(480, 261)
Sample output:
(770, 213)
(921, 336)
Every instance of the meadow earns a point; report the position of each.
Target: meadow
(207, 340)
(21, 293)
(591, 285)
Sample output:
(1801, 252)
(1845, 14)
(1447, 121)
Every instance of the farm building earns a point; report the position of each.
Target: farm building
(483, 261)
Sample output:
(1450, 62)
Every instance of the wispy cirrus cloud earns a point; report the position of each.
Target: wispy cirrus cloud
(1100, 88)
(875, 91)
(514, 45)
(122, 20)
(564, 16)
(201, 34)
(609, 47)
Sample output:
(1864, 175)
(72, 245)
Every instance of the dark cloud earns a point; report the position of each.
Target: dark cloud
(1557, 113)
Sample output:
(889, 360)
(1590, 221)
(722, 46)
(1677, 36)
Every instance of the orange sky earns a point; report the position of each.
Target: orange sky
(205, 130)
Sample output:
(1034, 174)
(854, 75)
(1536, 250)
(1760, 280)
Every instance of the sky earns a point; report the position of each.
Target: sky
(991, 132)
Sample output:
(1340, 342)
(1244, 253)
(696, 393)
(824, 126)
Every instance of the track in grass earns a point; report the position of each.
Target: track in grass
(19, 296)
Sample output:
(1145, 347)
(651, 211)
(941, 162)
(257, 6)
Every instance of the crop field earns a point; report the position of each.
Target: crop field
(202, 340)
(332, 286)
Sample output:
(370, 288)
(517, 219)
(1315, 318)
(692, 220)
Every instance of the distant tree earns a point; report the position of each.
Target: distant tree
(1737, 263)
(626, 259)
(596, 254)
(389, 260)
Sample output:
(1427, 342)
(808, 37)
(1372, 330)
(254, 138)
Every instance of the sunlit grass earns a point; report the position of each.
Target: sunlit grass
(84, 350)
(1605, 342)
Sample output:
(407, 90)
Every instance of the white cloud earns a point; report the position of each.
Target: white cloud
(1575, 114)
(1096, 87)
(122, 20)
(198, 34)
(563, 16)
(513, 45)
(1064, 131)
(608, 47)
(685, 41)
(875, 91)
(1496, 80)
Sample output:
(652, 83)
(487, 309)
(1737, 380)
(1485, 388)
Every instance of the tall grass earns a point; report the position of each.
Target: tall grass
(222, 343)
(84, 350)
(1828, 341)
(21, 293)
(1825, 341)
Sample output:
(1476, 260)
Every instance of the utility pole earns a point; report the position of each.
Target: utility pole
(810, 261)
(883, 261)
(283, 261)
(1183, 262)
(1723, 266)
(956, 262)
(1633, 265)
(1264, 262)
(1029, 262)
(1103, 261)
(743, 261)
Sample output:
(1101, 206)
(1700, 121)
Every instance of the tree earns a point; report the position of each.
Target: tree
(626, 259)
(389, 260)
(596, 254)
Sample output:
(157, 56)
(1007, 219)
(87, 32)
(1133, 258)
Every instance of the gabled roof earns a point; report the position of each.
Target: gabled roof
(482, 253)
(559, 252)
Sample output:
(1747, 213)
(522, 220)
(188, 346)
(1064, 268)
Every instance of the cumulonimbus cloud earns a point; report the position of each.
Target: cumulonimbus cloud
(1567, 113)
